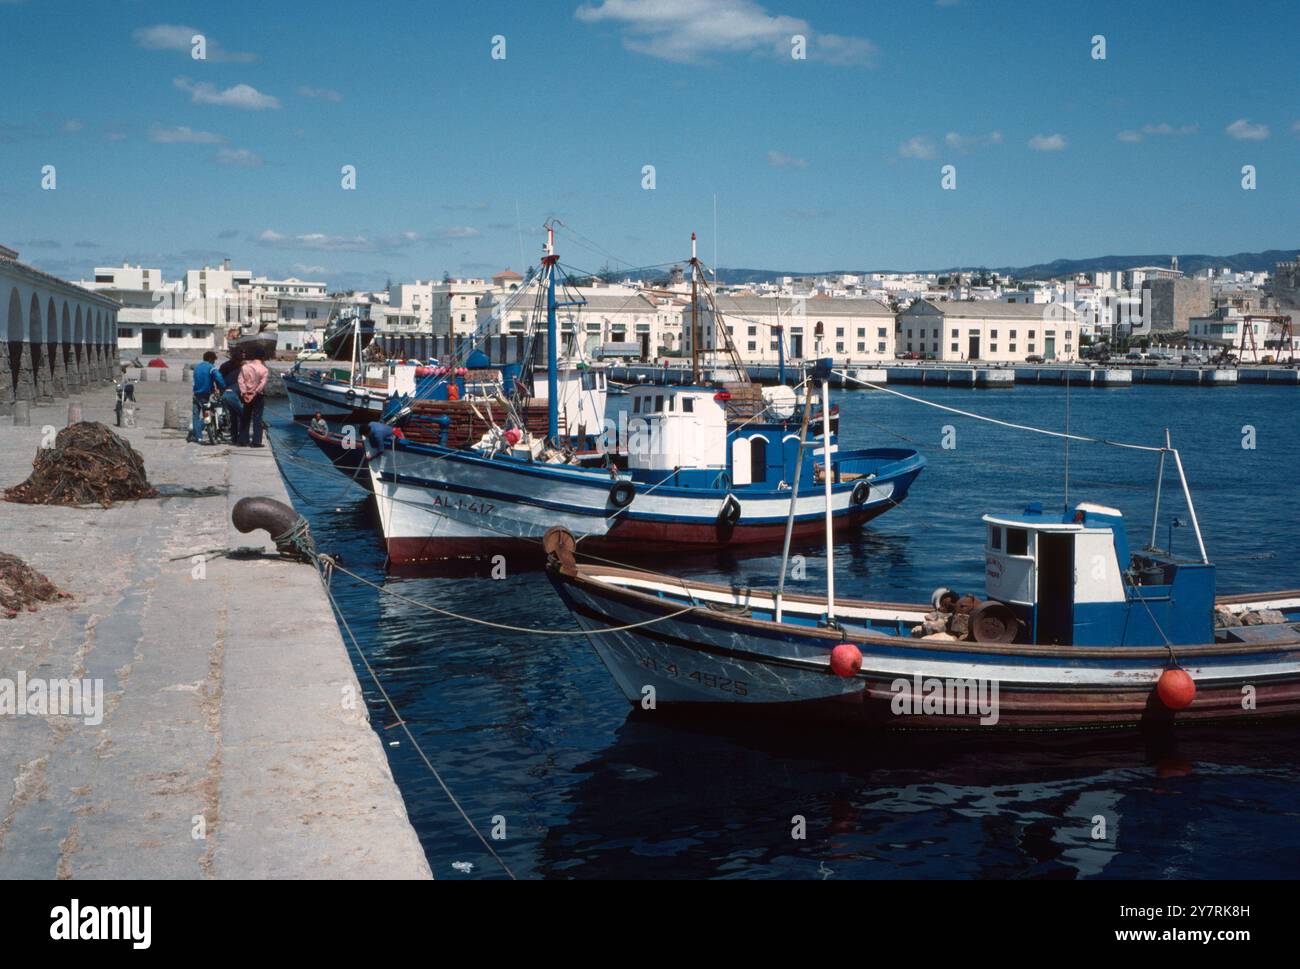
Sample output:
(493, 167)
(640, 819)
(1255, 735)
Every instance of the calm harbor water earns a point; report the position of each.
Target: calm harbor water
(533, 730)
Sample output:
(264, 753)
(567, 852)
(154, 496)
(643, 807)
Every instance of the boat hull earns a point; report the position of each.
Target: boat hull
(708, 661)
(331, 399)
(440, 503)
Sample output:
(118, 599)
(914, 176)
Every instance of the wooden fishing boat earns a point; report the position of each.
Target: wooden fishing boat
(706, 468)
(1073, 632)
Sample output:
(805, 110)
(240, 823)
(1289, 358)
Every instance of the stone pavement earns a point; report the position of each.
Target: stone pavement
(234, 741)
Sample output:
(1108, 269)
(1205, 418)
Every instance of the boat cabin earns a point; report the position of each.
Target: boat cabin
(684, 432)
(1070, 580)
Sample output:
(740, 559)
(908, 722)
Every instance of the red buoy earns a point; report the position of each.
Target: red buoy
(512, 436)
(846, 660)
(1176, 688)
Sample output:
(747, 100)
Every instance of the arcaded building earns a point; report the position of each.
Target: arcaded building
(59, 339)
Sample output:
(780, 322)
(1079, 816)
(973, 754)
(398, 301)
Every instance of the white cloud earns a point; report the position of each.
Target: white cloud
(320, 93)
(236, 156)
(969, 143)
(688, 31)
(176, 37)
(242, 96)
(454, 232)
(72, 126)
(918, 147)
(1047, 142)
(1162, 130)
(183, 135)
(779, 159)
(1243, 130)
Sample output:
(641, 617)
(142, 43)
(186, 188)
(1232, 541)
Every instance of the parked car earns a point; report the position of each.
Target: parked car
(912, 355)
(312, 355)
(1034, 358)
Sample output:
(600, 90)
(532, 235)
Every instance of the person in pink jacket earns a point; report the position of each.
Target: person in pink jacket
(253, 376)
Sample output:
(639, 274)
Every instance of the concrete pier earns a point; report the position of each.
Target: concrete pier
(234, 742)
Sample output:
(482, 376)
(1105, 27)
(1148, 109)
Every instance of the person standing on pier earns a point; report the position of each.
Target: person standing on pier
(205, 376)
(234, 406)
(253, 377)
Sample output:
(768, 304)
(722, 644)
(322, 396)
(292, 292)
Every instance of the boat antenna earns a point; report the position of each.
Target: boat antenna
(695, 325)
(794, 500)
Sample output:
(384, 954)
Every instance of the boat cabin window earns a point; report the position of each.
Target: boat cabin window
(659, 404)
(636, 405)
(995, 537)
(1017, 541)
(688, 405)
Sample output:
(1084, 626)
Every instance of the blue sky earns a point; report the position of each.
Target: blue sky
(828, 162)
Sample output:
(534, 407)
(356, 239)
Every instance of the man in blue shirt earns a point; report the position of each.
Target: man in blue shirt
(205, 376)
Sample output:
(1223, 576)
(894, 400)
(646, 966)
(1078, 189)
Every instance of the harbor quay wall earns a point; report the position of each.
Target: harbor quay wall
(231, 738)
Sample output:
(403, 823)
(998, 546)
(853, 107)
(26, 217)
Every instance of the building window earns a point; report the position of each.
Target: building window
(125, 333)
(880, 347)
(1013, 334)
(753, 345)
(956, 334)
(862, 346)
(993, 348)
(993, 334)
(1031, 336)
(1031, 348)
(176, 334)
(954, 348)
(1012, 348)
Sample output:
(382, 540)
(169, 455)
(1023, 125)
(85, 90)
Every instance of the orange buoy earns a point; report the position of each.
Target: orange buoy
(1176, 688)
(846, 660)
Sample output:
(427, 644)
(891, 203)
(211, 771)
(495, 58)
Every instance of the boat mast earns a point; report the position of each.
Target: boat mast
(825, 368)
(695, 329)
(552, 350)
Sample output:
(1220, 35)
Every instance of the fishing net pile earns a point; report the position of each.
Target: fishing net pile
(88, 464)
(22, 587)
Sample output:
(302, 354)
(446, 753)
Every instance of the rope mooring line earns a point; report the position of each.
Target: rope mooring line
(333, 564)
(401, 721)
(994, 420)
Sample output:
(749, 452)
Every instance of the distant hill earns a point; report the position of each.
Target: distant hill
(1187, 262)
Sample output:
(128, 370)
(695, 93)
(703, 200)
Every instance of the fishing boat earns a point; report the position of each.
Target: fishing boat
(348, 336)
(708, 467)
(355, 395)
(1073, 631)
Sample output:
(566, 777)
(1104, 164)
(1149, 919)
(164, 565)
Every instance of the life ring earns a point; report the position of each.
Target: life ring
(621, 494)
(350, 396)
(730, 513)
(861, 492)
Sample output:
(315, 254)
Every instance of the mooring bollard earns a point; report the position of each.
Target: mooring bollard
(187, 373)
(22, 413)
(74, 412)
(162, 375)
(171, 415)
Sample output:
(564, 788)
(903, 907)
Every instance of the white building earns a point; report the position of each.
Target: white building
(614, 320)
(302, 309)
(455, 305)
(849, 330)
(986, 330)
(153, 316)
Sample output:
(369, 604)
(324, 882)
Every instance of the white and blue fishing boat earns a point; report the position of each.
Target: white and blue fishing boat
(706, 468)
(1073, 631)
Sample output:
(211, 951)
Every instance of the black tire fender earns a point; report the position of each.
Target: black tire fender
(861, 492)
(730, 513)
(621, 493)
